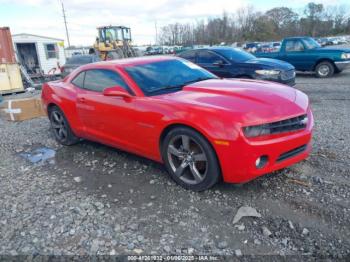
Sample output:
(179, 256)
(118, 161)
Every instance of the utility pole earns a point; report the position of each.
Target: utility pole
(155, 25)
(65, 23)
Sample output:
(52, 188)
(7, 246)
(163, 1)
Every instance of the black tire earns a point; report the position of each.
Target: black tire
(324, 69)
(61, 128)
(198, 157)
(115, 54)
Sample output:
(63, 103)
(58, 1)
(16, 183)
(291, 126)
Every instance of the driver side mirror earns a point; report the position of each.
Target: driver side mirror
(219, 63)
(116, 91)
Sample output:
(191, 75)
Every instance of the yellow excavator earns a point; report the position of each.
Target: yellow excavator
(113, 42)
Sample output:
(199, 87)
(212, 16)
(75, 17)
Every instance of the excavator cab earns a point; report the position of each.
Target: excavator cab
(117, 34)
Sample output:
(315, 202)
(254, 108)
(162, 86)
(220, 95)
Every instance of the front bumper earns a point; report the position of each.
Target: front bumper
(238, 159)
(290, 81)
(341, 65)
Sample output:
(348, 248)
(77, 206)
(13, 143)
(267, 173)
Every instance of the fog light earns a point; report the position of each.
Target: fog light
(261, 162)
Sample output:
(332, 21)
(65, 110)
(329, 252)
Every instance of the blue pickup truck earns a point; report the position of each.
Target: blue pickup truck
(305, 54)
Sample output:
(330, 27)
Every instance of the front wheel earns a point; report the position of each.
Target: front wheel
(324, 69)
(190, 159)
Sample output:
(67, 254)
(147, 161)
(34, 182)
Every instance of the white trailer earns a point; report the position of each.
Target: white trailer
(39, 54)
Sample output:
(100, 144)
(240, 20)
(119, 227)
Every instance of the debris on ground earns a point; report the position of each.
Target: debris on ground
(266, 232)
(299, 182)
(39, 155)
(77, 179)
(238, 252)
(245, 211)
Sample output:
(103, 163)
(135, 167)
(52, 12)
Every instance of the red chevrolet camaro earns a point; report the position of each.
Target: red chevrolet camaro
(169, 110)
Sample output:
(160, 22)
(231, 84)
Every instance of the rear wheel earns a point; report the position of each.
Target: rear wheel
(190, 159)
(60, 127)
(324, 69)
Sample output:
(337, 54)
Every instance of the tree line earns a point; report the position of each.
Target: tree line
(248, 24)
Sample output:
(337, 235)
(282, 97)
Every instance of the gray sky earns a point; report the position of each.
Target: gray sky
(44, 17)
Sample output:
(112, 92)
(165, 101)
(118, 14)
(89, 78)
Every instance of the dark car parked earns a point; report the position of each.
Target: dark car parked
(227, 62)
(76, 61)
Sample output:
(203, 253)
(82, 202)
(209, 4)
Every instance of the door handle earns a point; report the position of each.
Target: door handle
(81, 99)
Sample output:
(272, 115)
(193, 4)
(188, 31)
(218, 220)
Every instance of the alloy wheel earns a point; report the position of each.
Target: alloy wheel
(187, 159)
(59, 125)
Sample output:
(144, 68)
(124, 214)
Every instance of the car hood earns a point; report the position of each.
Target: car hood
(270, 63)
(249, 101)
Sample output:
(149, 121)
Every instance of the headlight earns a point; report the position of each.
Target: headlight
(254, 131)
(345, 56)
(267, 72)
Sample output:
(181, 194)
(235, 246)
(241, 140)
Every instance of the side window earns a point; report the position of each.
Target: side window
(51, 51)
(188, 55)
(294, 46)
(79, 80)
(289, 45)
(205, 57)
(99, 79)
(299, 46)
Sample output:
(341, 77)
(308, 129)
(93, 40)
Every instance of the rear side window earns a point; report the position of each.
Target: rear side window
(294, 46)
(79, 80)
(188, 55)
(205, 57)
(98, 80)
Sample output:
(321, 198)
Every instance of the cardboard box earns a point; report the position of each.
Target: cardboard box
(22, 109)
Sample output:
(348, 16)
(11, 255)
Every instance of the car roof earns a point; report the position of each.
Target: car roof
(136, 60)
(296, 37)
(81, 58)
(213, 48)
(218, 48)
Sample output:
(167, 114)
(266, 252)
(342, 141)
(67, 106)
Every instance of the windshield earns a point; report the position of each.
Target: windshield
(235, 54)
(311, 43)
(166, 76)
(113, 34)
(126, 34)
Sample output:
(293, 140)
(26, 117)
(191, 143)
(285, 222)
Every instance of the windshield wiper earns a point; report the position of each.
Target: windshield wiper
(164, 88)
(182, 85)
(197, 80)
(190, 82)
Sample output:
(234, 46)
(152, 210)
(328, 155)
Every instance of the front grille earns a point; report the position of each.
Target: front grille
(291, 153)
(288, 125)
(286, 75)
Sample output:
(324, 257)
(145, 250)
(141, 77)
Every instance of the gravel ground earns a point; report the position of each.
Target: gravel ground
(92, 199)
